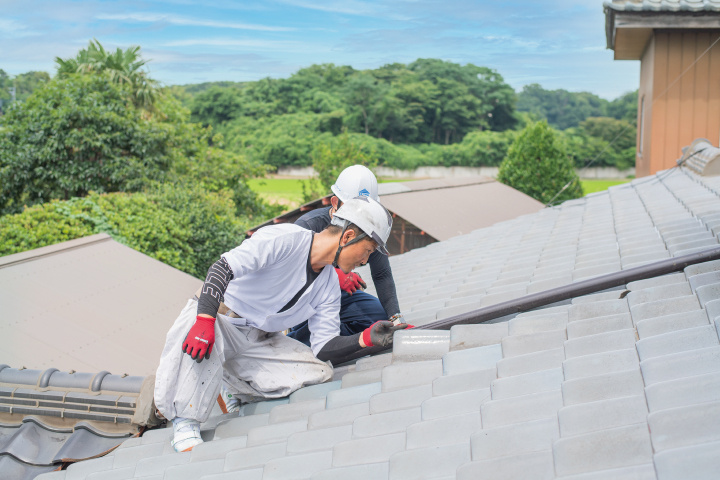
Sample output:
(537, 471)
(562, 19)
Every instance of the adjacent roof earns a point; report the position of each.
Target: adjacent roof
(617, 384)
(88, 305)
(664, 5)
(442, 208)
(445, 208)
(629, 24)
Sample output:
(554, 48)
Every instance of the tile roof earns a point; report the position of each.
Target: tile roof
(51, 418)
(664, 5)
(622, 383)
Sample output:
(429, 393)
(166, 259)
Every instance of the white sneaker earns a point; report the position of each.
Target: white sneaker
(227, 401)
(186, 434)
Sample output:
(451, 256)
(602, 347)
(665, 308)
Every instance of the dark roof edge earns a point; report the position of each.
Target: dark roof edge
(37, 253)
(442, 187)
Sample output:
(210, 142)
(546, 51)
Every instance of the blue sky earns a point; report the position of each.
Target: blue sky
(556, 43)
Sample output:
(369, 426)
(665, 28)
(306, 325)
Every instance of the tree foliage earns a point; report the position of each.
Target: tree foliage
(123, 67)
(331, 158)
(538, 165)
(563, 109)
(185, 226)
(74, 135)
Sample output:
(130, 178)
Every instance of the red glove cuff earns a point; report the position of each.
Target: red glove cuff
(366, 335)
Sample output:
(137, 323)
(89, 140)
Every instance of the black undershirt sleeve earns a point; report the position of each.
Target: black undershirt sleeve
(213, 291)
(339, 348)
(384, 282)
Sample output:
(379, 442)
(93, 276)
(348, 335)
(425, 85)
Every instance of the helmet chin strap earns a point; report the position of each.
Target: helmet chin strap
(341, 246)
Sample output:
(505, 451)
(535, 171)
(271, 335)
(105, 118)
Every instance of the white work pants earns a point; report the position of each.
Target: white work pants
(255, 365)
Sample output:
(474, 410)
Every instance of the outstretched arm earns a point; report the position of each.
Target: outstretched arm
(379, 334)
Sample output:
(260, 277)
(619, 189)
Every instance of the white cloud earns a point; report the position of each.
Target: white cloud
(350, 7)
(277, 45)
(190, 22)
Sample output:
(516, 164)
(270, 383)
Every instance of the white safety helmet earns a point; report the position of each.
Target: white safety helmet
(355, 181)
(369, 216)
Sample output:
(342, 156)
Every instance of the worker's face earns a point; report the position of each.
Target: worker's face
(356, 254)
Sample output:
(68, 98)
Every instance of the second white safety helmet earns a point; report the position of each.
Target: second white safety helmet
(369, 216)
(354, 181)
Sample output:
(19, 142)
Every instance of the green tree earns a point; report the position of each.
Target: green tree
(561, 109)
(602, 141)
(625, 107)
(185, 226)
(123, 67)
(363, 95)
(331, 158)
(538, 165)
(74, 135)
(216, 105)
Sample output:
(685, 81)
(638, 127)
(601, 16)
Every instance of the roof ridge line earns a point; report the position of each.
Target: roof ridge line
(41, 252)
(492, 180)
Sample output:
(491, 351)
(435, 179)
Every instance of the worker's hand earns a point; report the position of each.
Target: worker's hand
(200, 339)
(350, 282)
(380, 334)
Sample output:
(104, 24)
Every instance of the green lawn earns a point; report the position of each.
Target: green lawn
(592, 186)
(286, 191)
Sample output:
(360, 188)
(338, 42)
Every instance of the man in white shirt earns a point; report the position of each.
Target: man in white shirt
(281, 276)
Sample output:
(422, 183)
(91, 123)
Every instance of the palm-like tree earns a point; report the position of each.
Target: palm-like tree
(122, 66)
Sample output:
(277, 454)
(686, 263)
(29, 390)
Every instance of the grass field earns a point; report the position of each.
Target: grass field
(592, 186)
(288, 191)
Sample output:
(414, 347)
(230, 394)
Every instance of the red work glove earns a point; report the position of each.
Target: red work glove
(200, 339)
(380, 334)
(350, 282)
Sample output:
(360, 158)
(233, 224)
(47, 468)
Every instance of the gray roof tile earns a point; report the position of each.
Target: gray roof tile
(462, 382)
(532, 342)
(431, 462)
(687, 339)
(603, 387)
(685, 426)
(368, 450)
(509, 468)
(530, 362)
(400, 399)
(621, 447)
(684, 391)
(528, 383)
(600, 363)
(599, 343)
(593, 326)
(515, 439)
(535, 406)
(338, 416)
(319, 439)
(297, 466)
(600, 415)
(670, 323)
(699, 461)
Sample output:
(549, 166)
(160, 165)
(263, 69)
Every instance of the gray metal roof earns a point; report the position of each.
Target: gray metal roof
(89, 305)
(664, 5)
(618, 384)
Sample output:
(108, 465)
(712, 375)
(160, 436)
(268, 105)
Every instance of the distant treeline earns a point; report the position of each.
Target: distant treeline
(429, 112)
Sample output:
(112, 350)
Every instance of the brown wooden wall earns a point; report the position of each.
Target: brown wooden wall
(677, 110)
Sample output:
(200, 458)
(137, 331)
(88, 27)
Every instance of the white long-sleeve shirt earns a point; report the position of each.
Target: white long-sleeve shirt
(269, 269)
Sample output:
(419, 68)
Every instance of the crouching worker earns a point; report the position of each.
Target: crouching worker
(281, 276)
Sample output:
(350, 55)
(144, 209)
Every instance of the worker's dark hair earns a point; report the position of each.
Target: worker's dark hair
(335, 229)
